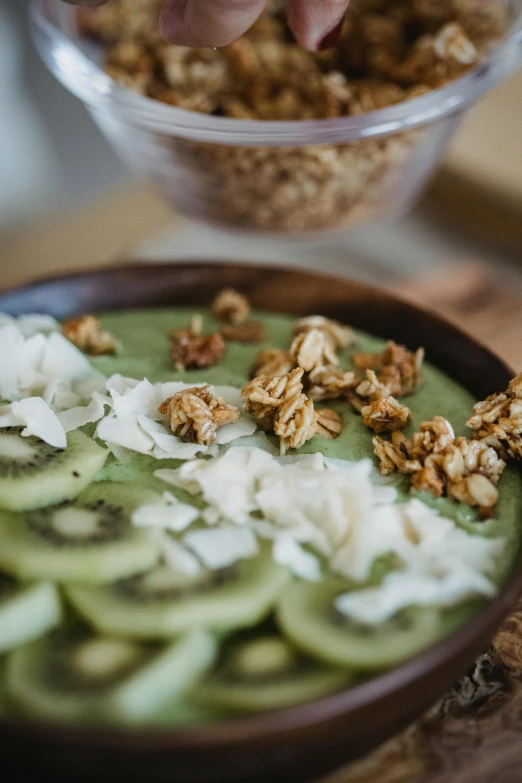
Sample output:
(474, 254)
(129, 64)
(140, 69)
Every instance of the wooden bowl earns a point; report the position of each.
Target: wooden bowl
(300, 743)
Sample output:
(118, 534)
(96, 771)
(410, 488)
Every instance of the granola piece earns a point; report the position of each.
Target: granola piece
(386, 413)
(428, 479)
(86, 334)
(497, 420)
(477, 491)
(479, 457)
(394, 454)
(434, 437)
(192, 349)
(437, 462)
(329, 423)
(452, 44)
(248, 332)
(196, 414)
(231, 306)
(396, 367)
(295, 422)
(272, 362)
(367, 391)
(264, 395)
(312, 349)
(340, 336)
(330, 383)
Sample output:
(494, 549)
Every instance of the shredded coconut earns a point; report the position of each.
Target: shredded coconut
(315, 510)
(37, 418)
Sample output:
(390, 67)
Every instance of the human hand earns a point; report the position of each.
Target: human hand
(316, 24)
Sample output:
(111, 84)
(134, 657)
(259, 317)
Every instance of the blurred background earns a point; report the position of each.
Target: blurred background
(67, 202)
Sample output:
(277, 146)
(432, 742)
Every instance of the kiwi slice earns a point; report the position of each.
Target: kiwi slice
(91, 540)
(26, 611)
(306, 613)
(164, 602)
(265, 672)
(73, 676)
(34, 474)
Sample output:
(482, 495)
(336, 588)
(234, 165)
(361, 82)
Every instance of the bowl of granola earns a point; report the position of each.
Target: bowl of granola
(264, 136)
(253, 521)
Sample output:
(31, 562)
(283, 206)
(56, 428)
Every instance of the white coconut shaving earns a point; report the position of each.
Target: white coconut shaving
(317, 512)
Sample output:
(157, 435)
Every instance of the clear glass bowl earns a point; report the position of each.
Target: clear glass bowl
(279, 177)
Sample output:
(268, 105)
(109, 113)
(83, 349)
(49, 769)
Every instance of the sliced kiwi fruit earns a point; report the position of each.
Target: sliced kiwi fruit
(91, 540)
(306, 613)
(265, 672)
(164, 602)
(34, 474)
(76, 677)
(26, 611)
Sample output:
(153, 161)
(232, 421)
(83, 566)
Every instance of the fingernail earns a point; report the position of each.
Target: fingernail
(331, 38)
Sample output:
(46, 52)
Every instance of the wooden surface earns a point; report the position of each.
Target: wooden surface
(472, 735)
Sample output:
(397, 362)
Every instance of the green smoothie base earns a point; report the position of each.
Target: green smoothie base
(145, 353)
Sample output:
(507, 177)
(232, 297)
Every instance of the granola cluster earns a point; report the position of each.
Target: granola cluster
(497, 420)
(192, 349)
(196, 414)
(272, 362)
(389, 52)
(437, 462)
(396, 367)
(233, 308)
(281, 407)
(85, 333)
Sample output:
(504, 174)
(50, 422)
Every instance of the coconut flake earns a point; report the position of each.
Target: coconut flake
(171, 515)
(36, 322)
(74, 418)
(168, 446)
(39, 420)
(286, 551)
(30, 359)
(232, 432)
(223, 546)
(61, 359)
(176, 557)
(401, 589)
(125, 432)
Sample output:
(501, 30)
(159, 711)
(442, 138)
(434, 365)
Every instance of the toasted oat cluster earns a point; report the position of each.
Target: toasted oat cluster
(231, 306)
(272, 362)
(386, 413)
(331, 383)
(312, 349)
(233, 309)
(339, 335)
(389, 52)
(85, 333)
(396, 367)
(196, 414)
(190, 348)
(497, 420)
(248, 332)
(437, 462)
(280, 406)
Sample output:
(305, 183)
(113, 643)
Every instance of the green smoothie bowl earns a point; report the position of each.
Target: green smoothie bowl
(253, 521)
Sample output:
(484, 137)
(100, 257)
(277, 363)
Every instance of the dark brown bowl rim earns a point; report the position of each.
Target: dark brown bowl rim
(278, 723)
